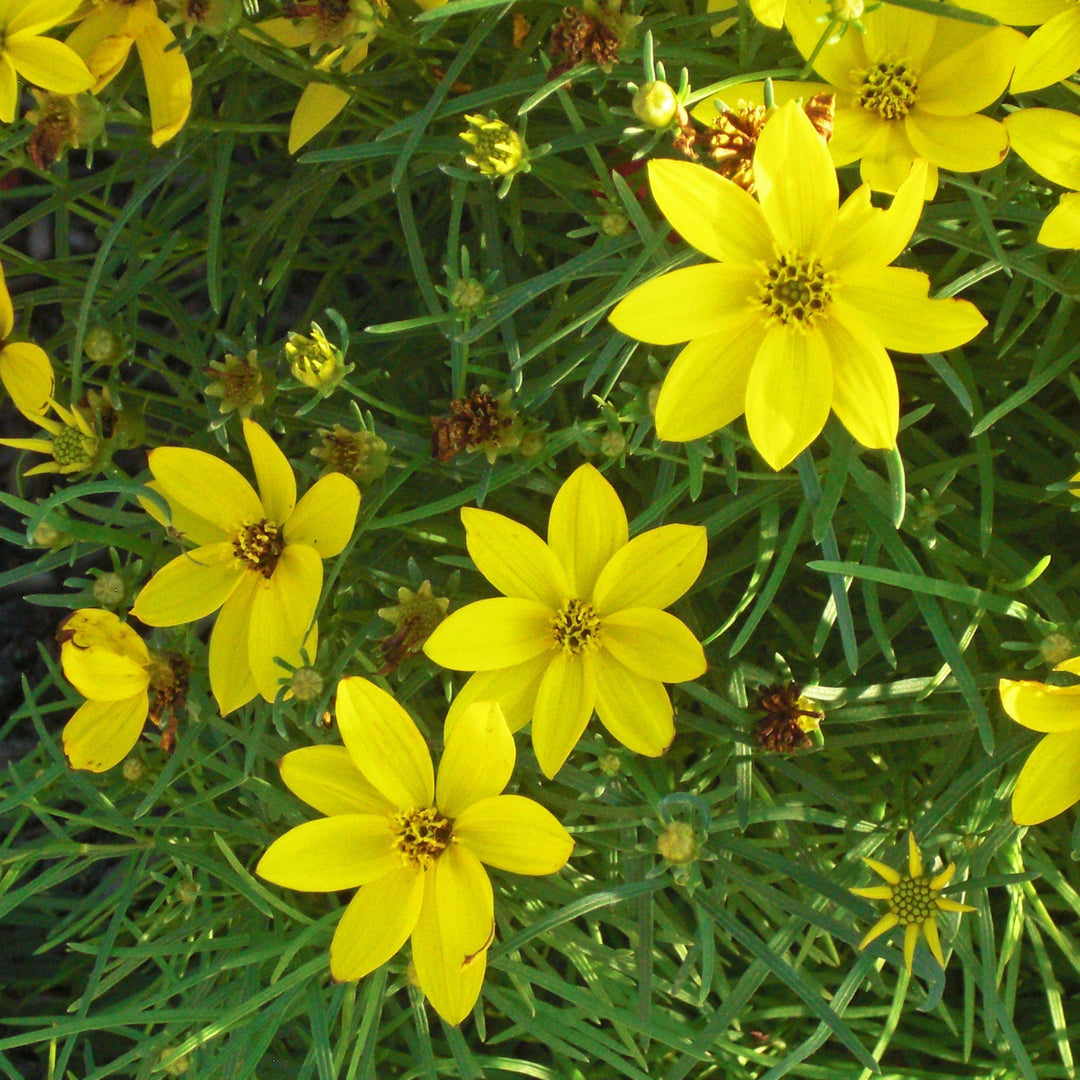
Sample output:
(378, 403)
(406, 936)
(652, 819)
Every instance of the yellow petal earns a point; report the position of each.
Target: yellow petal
(1041, 707)
(635, 710)
(104, 38)
(653, 644)
(514, 559)
(1049, 141)
(894, 306)
(939, 881)
(231, 680)
(326, 516)
(718, 217)
(1017, 12)
(318, 105)
(865, 395)
(292, 35)
(796, 180)
(9, 94)
(190, 587)
(27, 376)
(477, 761)
(911, 939)
(959, 143)
(103, 675)
(915, 865)
(48, 63)
(1072, 665)
(945, 904)
(855, 131)
(874, 892)
(652, 570)
(705, 388)
(185, 523)
(1051, 54)
(7, 312)
(887, 159)
(206, 485)
(839, 62)
(514, 688)
(769, 12)
(883, 870)
(273, 473)
(94, 628)
(930, 931)
(710, 299)
(377, 922)
(385, 744)
(100, 734)
(882, 926)
(513, 833)
(895, 31)
(338, 852)
(564, 703)
(168, 81)
(455, 926)
(491, 634)
(34, 16)
(1061, 228)
(586, 527)
(972, 76)
(789, 394)
(326, 778)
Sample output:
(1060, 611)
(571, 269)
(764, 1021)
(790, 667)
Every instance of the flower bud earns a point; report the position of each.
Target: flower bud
(468, 294)
(306, 684)
(678, 844)
(109, 590)
(655, 104)
(315, 361)
(497, 150)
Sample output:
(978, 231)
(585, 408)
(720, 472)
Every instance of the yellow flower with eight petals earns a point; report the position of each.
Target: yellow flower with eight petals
(25, 369)
(795, 316)
(580, 625)
(73, 443)
(1049, 782)
(914, 902)
(49, 64)
(414, 843)
(259, 559)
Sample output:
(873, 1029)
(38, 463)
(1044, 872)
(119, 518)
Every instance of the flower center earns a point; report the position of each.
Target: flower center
(797, 289)
(421, 836)
(576, 627)
(912, 900)
(71, 449)
(259, 546)
(889, 90)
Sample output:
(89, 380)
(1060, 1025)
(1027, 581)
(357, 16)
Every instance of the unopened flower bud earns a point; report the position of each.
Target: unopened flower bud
(615, 223)
(610, 764)
(468, 294)
(315, 361)
(109, 590)
(655, 104)
(678, 844)
(306, 684)
(133, 770)
(612, 444)
(848, 10)
(497, 150)
(104, 346)
(1057, 647)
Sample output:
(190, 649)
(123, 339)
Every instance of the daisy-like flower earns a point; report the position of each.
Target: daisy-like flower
(1049, 782)
(105, 37)
(911, 86)
(414, 843)
(24, 50)
(25, 369)
(795, 316)
(914, 902)
(73, 444)
(580, 625)
(123, 682)
(258, 558)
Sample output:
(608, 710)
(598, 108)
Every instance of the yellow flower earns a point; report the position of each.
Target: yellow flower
(497, 149)
(413, 843)
(24, 51)
(914, 902)
(796, 315)
(315, 361)
(259, 559)
(911, 86)
(73, 444)
(105, 37)
(25, 369)
(1049, 782)
(580, 625)
(767, 12)
(108, 663)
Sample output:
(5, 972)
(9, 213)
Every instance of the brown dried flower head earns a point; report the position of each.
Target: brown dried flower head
(477, 422)
(789, 718)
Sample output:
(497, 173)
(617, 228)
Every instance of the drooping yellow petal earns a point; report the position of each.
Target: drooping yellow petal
(103, 675)
(100, 734)
(911, 939)
(273, 473)
(513, 833)
(326, 778)
(48, 63)
(206, 485)
(635, 710)
(27, 376)
(455, 928)
(564, 703)
(973, 75)
(1051, 54)
(705, 388)
(1049, 141)
(7, 311)
(185, 524)
(231, 681)
(654, 644)
(888, 157)
(190, 587)
(688, 303)
(930, 932)
(318, 105)
(105, 37)
(1041, 707)
(895, 307)
(514, 688)
(789, 394)
(491, 634)
(325, 516)
(332, 853)
(959, 143)
(95, 628)
(514, 559)
(586, 527)
(9, 93)
(385, 744)
(477, 761)
(168, 81)
(710, 212)
(855, 131)
(377, 922)
(1061, 227)
(796, 180)
(882, 926)
(652, 570)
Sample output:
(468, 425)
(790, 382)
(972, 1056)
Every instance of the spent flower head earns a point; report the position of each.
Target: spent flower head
(361, 455)
(61, 121)
(238, 381)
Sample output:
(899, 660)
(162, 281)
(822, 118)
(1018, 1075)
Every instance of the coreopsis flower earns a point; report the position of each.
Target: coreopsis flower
(414, 843)
(25, 51)
(581, 624)
(71, 441)
(258, 558)
(497, 149)
(123, 682)
(795, 316)
(914, 902)
(315, 361)
(1049, 782)
(911, 86)
(25, 369)
(104, 39)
